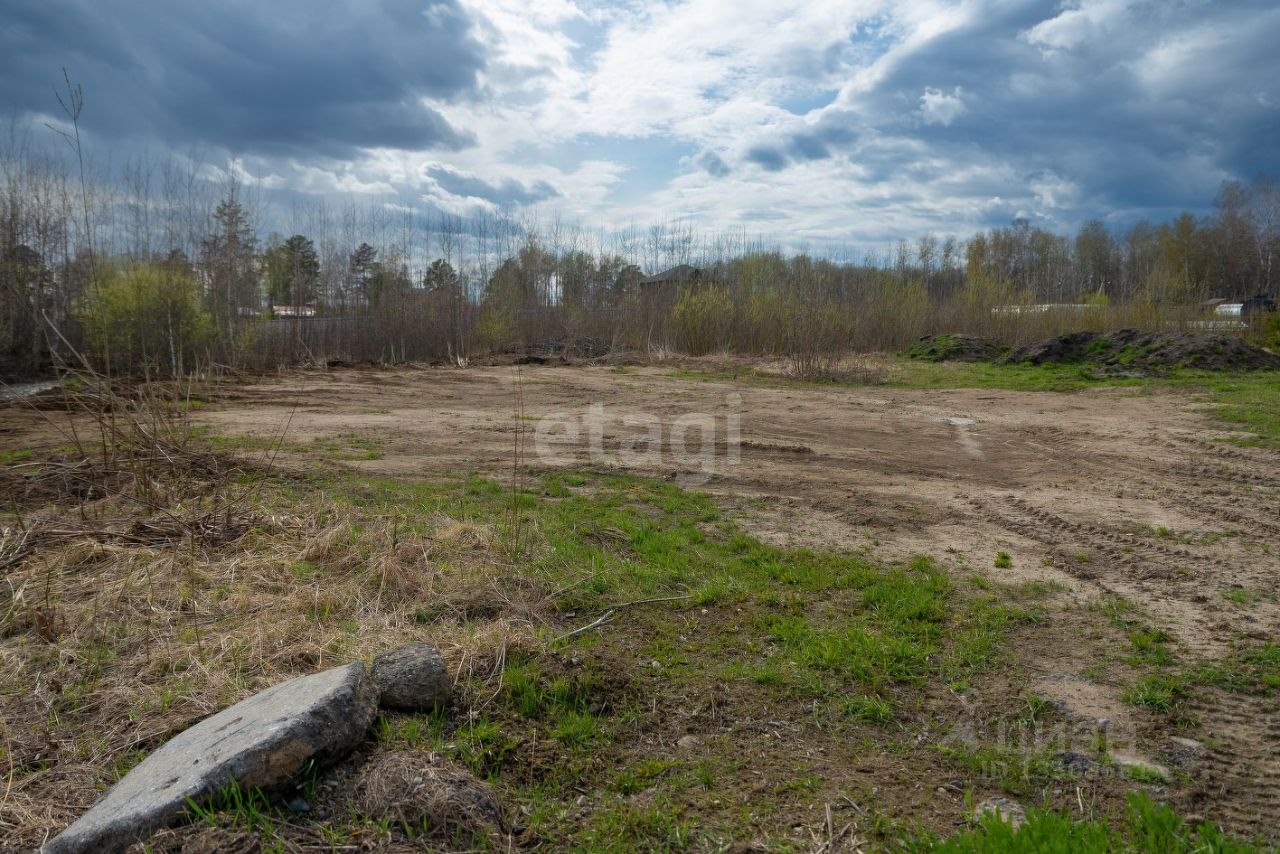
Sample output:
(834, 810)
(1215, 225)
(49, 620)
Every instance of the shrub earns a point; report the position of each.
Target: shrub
(1271, 332)
(148, 316)
(703, 319)
(495, 330)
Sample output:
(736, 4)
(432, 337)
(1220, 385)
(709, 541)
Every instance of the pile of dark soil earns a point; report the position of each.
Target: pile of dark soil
(565, 350)
(956, 348)
(1130, 351)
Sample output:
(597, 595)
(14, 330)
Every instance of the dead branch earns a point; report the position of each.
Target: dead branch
(613, 610)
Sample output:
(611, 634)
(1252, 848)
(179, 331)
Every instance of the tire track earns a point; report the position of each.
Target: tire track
(1239, 773)
(1146, 560)
(1224, 474)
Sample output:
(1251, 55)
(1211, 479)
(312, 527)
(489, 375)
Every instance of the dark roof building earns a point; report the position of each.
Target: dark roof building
(1257, 305)
(677, 274)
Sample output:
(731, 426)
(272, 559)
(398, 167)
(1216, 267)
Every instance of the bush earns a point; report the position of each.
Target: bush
(495, 331)
(147, 317)
(703, 319)
(1271, 332)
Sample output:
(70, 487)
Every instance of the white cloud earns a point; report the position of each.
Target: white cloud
(1053, 191)
(1077, 23)
(939, 108)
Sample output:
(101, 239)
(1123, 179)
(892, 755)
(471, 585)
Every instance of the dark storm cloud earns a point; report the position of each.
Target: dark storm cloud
(1149, 106)
(283, 77)
(509, 191)
(713, 164)
(815, 143)
(767, 158)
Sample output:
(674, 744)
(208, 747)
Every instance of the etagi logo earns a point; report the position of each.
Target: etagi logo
(698, 445)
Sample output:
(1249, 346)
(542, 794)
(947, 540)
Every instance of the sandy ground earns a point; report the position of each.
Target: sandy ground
(1073, 486)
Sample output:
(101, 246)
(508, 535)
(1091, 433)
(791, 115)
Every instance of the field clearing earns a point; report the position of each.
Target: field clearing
(895, 603)
(1127, 473)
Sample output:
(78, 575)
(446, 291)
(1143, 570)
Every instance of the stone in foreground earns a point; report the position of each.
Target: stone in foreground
(262, 741)
(1008, 811)
(412, 678)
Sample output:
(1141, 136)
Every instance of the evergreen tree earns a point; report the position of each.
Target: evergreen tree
(362, 268)
(227, 261)
(293, 271)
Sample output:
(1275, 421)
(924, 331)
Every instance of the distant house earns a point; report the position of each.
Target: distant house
(293, 310)
(1221, 307)
(658, 295)
(677, 275)
(1044, 307)
(1259, 304)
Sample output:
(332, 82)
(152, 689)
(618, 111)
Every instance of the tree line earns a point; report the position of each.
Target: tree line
(159, 266)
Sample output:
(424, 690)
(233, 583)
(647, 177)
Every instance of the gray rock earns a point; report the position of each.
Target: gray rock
(1076, 762)
(412, 678)
(262, 741)
(1009, 811)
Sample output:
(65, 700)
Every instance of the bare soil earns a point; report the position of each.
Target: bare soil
(1074, 486)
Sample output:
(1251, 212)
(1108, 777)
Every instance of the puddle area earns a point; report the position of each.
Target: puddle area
(17, 391)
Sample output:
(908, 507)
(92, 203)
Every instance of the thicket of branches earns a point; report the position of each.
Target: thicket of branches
(169, 266)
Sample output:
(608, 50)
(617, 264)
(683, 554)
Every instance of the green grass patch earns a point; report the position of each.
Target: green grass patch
(1018, 377)
(242, 807)
(829, 639)
(872, 709)
(1245, 401)
(978, 634)
(1147, 828)
(349, 447)
(823, 634)
(1247, 597)
(1013, 771)
(1150, 647)
(1250, 671)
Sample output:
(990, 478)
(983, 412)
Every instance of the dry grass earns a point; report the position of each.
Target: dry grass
(420, 789)
(844, 368)
(110, 645)
(117, 632)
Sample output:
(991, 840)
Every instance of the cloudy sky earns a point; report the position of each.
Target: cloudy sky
(812, 121)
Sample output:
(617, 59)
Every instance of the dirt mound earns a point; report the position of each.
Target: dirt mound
(569, 347)
(956, 348)
(1136, 352)
(422, 789)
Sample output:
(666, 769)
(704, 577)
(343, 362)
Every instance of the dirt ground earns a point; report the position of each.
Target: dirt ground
(1120, 491)
(1073, 486)
(1117, 491)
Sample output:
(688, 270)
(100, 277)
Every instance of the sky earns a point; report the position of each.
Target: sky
(814, 122)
